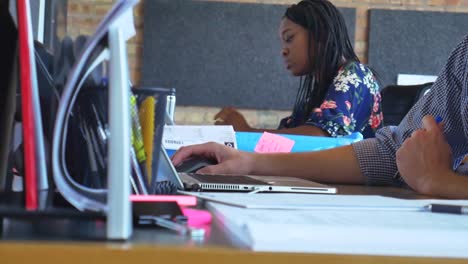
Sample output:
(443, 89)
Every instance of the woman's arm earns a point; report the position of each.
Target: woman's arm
(230, 116)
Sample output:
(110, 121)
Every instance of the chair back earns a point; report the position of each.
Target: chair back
(397, 100)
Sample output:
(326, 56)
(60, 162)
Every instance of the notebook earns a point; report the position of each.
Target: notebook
(235, 183)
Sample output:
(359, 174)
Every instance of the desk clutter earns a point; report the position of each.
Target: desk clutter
(89, 149)
(83, 142)
(79, 139)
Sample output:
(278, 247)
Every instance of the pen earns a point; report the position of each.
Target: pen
(397, 175)
(447, 208)
(171, 225)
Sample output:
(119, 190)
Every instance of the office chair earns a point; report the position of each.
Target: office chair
(397, 100)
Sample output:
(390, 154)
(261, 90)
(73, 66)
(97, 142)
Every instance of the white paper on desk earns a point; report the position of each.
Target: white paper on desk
(178, 136)
(289, 201)
(347, 232)
(414, 79)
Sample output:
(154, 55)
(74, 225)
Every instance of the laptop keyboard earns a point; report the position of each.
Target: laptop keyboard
(226, 179)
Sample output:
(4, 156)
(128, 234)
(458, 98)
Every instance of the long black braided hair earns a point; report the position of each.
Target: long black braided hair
(332, 49)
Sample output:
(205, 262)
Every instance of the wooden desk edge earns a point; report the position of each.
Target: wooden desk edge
(70, 253)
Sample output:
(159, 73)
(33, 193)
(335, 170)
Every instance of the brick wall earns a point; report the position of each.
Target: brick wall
(84, 15)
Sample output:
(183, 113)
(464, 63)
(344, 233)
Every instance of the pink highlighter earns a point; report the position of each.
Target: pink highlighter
(197, 217)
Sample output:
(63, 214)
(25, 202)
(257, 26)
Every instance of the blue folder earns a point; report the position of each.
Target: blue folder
(247, 141)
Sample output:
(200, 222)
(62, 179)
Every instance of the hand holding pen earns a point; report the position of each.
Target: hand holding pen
(425, 159)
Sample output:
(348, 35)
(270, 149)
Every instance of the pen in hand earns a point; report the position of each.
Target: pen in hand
(397, 175)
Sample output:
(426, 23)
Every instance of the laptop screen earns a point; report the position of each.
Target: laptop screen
(166, 170)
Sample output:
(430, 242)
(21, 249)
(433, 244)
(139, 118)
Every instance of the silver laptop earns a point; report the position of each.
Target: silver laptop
(237, 183)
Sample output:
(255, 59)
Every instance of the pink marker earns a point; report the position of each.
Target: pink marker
(182, 200)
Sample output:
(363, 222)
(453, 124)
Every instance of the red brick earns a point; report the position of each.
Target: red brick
(138, 21)
(360, 46)
(414, 2)
(361, 17)
(102, 9)
(437, 2)
(379, 1)
(362, 56)
(362, 34)
(135, 77)
(453, 2)
(362, 1)
(134, 49)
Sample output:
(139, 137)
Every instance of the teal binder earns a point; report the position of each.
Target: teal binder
(247, 141)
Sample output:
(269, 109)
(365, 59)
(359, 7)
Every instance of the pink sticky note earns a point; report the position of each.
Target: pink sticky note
(271, 143)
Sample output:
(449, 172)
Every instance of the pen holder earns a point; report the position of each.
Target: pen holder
(152, 104)
(89, 127)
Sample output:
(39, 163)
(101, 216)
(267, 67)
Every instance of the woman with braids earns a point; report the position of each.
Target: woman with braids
(337, 94)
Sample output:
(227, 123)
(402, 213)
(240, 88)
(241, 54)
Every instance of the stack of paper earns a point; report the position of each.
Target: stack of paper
(288, 201)
(352, 227)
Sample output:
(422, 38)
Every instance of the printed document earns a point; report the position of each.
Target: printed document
(364, 232)
(289, 201)
(177, 136)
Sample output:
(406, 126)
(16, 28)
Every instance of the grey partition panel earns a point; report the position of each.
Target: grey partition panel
(219, 53)
(412, 42)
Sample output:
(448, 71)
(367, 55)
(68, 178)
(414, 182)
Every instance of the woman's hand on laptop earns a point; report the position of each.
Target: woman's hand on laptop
(230, 161)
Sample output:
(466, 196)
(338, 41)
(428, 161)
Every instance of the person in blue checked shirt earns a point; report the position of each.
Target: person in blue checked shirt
(337, 94)
(419, 153)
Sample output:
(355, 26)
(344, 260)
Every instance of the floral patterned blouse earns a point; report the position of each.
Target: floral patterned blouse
(352, 104)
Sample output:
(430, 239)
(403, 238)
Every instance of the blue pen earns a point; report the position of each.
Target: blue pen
(438, 119)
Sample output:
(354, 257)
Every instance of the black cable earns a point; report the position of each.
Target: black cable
(164, 187)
